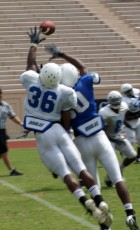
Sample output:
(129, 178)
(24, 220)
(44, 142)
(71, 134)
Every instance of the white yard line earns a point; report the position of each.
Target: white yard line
(51, 206)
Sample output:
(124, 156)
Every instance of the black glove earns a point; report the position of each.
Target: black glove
(23, 134)
(53, 50)
(34, 35)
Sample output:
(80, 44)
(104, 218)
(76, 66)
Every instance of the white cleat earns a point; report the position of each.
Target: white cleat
(101, 214)
(131, 222)
(108, 216)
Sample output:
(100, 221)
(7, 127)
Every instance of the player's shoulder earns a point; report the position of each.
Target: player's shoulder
(136, 92)
(123, 106)
(67, 90)
(105, 109)
(29, 75)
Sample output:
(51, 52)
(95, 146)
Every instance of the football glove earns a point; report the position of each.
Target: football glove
(35, 36)
(53, 50)
(23, 134)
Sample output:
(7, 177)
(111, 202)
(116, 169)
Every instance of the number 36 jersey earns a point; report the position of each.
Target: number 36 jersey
(46, 103)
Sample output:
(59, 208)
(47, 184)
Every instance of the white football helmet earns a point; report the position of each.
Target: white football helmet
(50, 75)
(114, 98)
(69, 74)
(134, 105)
(126, 89)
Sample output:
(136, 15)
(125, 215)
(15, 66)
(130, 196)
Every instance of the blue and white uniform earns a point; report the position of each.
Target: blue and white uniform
(43, 108)
(114, 128)
(134, 133)
(90, 138)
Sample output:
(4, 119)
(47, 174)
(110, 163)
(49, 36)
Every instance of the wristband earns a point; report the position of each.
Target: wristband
(34, 44)
(61, 54)
(21, 123)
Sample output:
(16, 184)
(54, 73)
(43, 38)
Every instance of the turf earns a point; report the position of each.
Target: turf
(20, 211)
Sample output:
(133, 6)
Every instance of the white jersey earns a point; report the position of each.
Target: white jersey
(46, 103)
(114, 129)
(136, 93)
(56, 149)
(135, 123)
(113, 121)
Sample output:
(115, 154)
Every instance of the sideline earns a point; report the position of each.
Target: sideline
(50, 205)
(21, 143)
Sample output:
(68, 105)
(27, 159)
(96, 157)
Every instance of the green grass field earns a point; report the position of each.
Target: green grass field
(37, 201)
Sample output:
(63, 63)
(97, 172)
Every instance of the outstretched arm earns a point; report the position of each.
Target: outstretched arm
(35, 38)
(56, 53)
(31, 59)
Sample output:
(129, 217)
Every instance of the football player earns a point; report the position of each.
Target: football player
(48, 102)
(113, 115)
(88, 125)
(132, 123)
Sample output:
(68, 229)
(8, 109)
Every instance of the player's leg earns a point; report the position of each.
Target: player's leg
(73, 157)
(130, 135)
(56, 161)
(138, 143)
(128, 151)
(87, 150)
(111, 164)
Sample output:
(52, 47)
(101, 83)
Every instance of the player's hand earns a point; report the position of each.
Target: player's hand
(53, 50)
(23, 134)
(35, 35)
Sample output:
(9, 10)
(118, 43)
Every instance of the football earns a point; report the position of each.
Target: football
(47, 27)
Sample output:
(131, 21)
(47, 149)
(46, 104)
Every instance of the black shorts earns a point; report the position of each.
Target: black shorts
(3, 141)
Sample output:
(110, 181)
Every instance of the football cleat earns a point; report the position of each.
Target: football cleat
(15, 173)
(108, 182)
(131, 223)
(109, 217)
(101, 214)
(137, 160)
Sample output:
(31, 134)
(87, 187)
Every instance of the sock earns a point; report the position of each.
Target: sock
(80, 195)
(94, 190)
(11, 170)
(129, 209)
(95, 193)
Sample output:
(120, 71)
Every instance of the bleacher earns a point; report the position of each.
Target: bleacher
(90, 30)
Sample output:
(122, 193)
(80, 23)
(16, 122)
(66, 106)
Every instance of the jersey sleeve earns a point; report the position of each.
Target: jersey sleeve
(28, 76)
(103, 113)
(70, 100)
(96, 78)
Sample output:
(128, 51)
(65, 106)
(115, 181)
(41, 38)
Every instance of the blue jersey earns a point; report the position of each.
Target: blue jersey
(85, 110)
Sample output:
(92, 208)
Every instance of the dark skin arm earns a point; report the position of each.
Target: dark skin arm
(31, 59)
(35, 39)
(76, 62)
(131, 116)
(65, 119)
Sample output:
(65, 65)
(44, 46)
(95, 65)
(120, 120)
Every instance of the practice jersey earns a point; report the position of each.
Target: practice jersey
(114, 121)
(136, 92)
(46, 103)
(85, 110)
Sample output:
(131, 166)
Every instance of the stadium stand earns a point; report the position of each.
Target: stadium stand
(91, 30)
